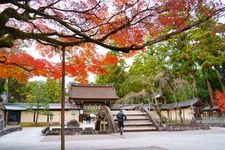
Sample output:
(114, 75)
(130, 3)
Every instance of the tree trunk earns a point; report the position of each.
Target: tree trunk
(210, 90)
(220, 80)
(37, 114)
(200, 6)
(63, 101)
(175, 99)
(158, 110)
(180, 114)
(8, 98)
(194, 85)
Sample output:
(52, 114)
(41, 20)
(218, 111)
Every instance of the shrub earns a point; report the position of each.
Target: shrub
(73, 123)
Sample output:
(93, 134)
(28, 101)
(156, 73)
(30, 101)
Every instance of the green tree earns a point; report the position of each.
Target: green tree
(38, 98)
(16, 91)
(53, 89)
(197, 56)
(178, 88)
(2, 88)
(209, 44)
(115, 75)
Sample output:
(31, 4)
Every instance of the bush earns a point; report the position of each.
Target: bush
(73, 123)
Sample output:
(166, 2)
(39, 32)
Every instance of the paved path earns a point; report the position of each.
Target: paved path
(31, 139)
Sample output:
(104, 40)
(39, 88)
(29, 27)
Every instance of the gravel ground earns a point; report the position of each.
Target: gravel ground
(31, 139)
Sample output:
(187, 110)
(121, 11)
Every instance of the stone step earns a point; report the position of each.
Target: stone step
(137, 123)
(134, 118)
(138, 128)
(129, 113)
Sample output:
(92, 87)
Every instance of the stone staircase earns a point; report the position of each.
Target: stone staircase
(136, 121)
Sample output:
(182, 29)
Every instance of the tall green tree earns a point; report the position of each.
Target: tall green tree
(16, 91)
(115, 75)
(210, 45)
(49, 90)
(53, 89)
(197, 56)
(2, 88)
(38, 99)
(178, 88)
(150, 64)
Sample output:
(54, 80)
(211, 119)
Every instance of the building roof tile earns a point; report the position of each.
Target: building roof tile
(92, 92)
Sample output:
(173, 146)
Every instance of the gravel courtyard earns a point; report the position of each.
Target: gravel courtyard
(31, 139)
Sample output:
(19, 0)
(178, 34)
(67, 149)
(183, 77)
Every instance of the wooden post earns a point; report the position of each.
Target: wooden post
(63, 101)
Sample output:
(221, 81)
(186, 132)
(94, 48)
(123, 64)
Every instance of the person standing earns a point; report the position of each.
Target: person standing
(121, 117)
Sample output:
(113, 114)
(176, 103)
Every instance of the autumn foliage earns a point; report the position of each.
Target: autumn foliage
(81, 27)
(22, 66)
(220, 100)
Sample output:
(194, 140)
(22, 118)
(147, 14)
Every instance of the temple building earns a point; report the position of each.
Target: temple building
(90, 97)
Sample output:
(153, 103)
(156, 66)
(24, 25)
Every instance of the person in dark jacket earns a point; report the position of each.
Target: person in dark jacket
(121, 117)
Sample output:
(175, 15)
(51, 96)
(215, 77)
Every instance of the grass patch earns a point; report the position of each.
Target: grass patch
(39, 124)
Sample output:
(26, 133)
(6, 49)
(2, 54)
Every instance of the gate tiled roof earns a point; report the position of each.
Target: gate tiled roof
(92, 92)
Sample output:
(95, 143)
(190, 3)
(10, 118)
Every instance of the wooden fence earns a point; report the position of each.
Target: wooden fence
(212, 120)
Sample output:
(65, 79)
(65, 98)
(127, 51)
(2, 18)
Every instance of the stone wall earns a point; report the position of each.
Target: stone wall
(185, 127)
(1, 119)
(1, 125)
(9, 130)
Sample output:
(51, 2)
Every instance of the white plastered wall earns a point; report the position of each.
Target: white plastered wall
(27, 116)
(187, 114)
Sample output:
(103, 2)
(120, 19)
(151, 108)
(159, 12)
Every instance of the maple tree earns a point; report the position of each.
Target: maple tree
(220, 100)
(78, 26)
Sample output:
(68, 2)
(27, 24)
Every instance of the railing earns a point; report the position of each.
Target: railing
(141, 108)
